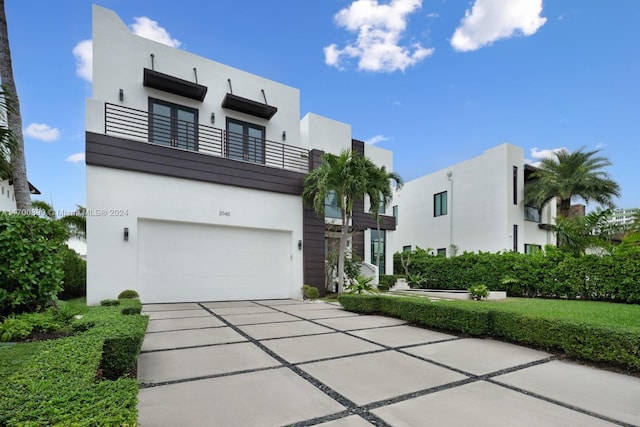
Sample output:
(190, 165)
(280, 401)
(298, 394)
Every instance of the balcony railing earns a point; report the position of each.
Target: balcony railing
(139, 125)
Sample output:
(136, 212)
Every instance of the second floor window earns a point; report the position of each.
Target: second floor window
(245, 141)
(173, 125)
(332, 206)
(440, 204)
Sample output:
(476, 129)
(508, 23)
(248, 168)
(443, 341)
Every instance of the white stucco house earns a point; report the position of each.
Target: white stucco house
(194, 177)
(476, 205)
(8, 197)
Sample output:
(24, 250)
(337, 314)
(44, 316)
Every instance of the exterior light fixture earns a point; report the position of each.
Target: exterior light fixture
(121, 95)
(284, 135)
(126, 234)
(213, 118)
(299, 245)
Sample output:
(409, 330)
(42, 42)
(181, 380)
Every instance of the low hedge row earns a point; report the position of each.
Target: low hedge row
(614, 346)
(62, 384)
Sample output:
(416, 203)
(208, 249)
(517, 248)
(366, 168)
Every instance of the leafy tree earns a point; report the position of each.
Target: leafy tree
(18, 162)
(75, 223)
(568, 175)
(347, 176)
(593, 231)
(380, 189)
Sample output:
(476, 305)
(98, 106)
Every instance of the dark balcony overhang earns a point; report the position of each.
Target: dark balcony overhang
(171, 84)
(547, 227)
(248, 106)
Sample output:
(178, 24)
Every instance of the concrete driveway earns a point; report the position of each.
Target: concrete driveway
(289, 362)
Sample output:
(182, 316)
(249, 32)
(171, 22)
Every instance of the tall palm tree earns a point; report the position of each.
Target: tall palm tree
(7, 140)
(18, 162)
(346, 177)
(75, 223)
(380, 189)
(576, 174)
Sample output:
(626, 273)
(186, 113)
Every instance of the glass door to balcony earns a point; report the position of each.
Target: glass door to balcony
(173, 125)
(245, 141)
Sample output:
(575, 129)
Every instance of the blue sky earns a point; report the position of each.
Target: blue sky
(436, 82)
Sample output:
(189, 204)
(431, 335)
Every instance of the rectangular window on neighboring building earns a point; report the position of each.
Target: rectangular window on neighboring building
(442, 252)
(378, 242)
(395, 213)
(515, 185)
(515, 237)
(531, 249)
(332, 206)
(440, 204)
(406, 248)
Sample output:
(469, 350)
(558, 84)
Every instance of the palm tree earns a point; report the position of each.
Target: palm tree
(576, 174)
(75, 223)
(18, 162)
(7, 140)
(344, 176)
(380, 189)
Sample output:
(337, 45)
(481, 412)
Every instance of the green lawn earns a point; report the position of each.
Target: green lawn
(601, 313)
(14, 356)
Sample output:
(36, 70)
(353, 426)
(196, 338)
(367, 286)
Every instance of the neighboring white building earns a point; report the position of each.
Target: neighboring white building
(623, 217)
(8, 197)
(473, 206)
(194, 177)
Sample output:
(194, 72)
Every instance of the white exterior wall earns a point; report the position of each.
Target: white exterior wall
(7, 197)
(480, 213)
(322, 133)
(113, 263)
(114, 66)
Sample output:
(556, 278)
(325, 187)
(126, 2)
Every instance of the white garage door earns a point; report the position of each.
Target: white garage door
(195, 262)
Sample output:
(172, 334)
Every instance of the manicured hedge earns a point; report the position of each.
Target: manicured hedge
(619, 347)
(62, 385)
(548, 274)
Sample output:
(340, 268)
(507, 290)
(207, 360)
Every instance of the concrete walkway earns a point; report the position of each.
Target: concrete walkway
(288, 362)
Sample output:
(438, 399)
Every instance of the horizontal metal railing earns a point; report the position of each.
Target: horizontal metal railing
(139, 125)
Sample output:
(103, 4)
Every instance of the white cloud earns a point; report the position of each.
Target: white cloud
(149, 29)
(75, 158)
(83, 52)
(491, 20)
(379, 28)
(600, 145)
(42, 132)
(538, 154)
(376, 139)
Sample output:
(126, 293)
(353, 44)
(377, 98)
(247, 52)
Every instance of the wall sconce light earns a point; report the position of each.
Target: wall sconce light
(299, 245)
(284, 135)
(126, 234)
(213, 118)
(121, 95)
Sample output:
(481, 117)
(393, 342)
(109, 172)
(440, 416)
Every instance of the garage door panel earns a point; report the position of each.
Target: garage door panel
(196, 262)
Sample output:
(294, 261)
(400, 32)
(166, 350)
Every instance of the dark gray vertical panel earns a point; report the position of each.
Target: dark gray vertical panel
(313, 235)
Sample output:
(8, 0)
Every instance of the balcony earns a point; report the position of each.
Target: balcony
(143, 126)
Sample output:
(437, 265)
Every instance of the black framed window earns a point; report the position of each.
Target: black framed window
(515, 185)
(442, 252)
(395, 213)
(173, 125)
(406, 248)
(532, 249)
(440, 204)
(245, 141)
(515, 237)
(378, 241)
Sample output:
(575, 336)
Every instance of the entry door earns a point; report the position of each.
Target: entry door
(172, 124)
(245, 141)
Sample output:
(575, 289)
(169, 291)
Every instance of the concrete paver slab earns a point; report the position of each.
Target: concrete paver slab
(283, 329)
(242, 310)
(301, 349)
(177, 314)
(378, 376)
(248, 319)
(278, 302)
(396, 336)
(174, 306)
(352, 421)
(222, 304)
(267, 398)
(360, 322)
(607, 393)
(162, 325)
(482, 404)
(186, 363)
(322, 314)
(302, 306)
(190, 337)
(478, 356)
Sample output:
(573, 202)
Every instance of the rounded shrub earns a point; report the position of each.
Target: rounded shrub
(128, 294)
(309, 292)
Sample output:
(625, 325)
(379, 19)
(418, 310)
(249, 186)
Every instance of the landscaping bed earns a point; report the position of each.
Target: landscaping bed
(78, 380)
(604, 333)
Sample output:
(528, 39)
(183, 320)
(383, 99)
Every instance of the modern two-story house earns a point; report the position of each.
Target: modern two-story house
(476, 205)
(194, 177)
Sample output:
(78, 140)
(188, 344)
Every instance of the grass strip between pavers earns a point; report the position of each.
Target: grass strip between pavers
(581, 338)
(57, 382)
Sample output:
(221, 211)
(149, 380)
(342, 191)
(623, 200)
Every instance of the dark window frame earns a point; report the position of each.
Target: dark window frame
(383, 253)
(441, 252)
(174, 123)
(438, 203)
(246, 140)
(515, 185)
(515, 237)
